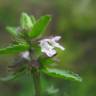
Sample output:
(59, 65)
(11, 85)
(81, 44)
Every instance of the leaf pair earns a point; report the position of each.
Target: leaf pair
(51, 72)
(36, 27)
(40, 26)
(33, 28)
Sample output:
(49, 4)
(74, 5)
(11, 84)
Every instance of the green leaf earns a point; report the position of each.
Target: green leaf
(7, 78)
(12, 76)
(12, 30)
(14, 49)
(46, 60)
(21, 70)
(26, 22)
(52, 90)
(62, 74)
(33, 19)
(39, 26)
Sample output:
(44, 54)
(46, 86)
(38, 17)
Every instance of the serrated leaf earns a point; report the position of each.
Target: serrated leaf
(26, 22)
(12, 30)
(14, 49)
(62, 74)
(39, 26)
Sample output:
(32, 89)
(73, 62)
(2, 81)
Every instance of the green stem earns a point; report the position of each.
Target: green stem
(35, 72)
(36, 78)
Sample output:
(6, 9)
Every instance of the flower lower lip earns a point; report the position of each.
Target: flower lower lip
(48, 45)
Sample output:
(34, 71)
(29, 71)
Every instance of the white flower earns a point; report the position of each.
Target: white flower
(54, 43)
(25, 55)
(46, 48)
(48, 45)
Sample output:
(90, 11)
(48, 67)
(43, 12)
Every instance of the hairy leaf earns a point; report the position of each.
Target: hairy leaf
(26, 22)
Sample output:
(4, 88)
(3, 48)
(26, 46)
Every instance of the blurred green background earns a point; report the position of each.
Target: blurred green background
(75, 21)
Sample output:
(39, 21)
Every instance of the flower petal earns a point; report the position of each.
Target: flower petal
(56, 38)
(58, 46)
(50, 53)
